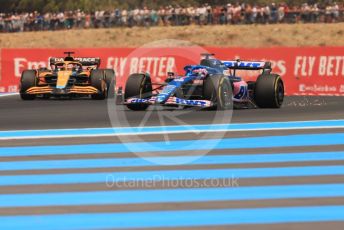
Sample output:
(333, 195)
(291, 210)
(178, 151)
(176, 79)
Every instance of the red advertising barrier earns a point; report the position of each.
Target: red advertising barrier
(305, 71)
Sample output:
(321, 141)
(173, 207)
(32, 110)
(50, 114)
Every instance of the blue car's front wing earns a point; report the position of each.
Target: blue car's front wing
(171, 101)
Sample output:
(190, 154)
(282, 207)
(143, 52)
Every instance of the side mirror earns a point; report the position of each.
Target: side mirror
(170, 74)
(267, 68)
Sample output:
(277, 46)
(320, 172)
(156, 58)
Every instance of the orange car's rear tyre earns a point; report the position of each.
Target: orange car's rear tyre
(28, 80)
(110, 82)
(97, 80)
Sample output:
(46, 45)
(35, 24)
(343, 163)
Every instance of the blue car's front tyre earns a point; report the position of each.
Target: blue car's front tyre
(138, 86)
(217, 89)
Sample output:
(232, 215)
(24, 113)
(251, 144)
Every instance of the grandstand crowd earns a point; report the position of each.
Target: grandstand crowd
(205, 14)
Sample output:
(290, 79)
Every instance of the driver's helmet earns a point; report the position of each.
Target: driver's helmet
(200, 71)
(58, 67)
(72, 67)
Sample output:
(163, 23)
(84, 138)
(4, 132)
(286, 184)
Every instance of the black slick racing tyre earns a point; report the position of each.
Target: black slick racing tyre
(110, 82)
(269, 91)
(217, 88)
(98, 82)
(28, 80)
(138, 86)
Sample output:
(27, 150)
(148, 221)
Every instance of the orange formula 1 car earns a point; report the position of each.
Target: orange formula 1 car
(68, 77)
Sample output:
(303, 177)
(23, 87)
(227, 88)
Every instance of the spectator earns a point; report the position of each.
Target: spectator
(203, 14)
(236, 14)
(209, 13)
(229, 13)
(314, 13)
(87, 20)
(189, 15)
(254, 14)
(124, 16)
(61, 20)
(248, 14)
(281, 13)
(69, 20)
(305, 13)
(335, 12)
(273, 13)
(266, 14)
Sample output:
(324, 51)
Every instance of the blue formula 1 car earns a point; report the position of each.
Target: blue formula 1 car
(212, 84)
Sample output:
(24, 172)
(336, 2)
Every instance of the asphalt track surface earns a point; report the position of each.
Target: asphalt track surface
(56, 114)
(276, 179)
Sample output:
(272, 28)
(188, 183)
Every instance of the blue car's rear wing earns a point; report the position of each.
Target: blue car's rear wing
(248, 65)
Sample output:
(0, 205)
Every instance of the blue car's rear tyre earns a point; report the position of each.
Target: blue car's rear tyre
(269, 91)
(217, 88)
(138, 86)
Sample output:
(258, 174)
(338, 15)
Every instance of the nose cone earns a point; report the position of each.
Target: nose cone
(161, 98)
(62, 79)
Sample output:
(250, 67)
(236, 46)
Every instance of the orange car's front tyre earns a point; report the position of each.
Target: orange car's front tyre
(28, 80)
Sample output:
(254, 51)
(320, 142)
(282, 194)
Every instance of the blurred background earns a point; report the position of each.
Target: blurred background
(26, 15)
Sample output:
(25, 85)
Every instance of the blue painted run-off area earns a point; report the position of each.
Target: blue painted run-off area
(171, 129)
